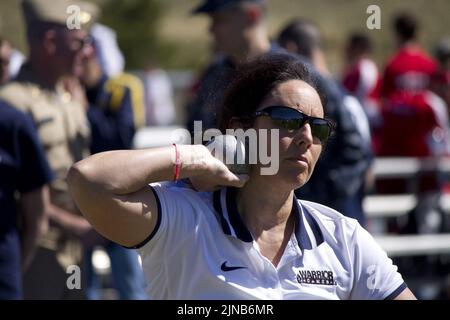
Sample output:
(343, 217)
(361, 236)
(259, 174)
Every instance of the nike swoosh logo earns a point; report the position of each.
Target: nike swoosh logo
(41, 122)
(226, 268)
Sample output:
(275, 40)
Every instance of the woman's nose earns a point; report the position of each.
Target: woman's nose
(304, 135)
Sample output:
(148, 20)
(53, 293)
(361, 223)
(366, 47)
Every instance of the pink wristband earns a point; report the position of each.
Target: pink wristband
(176, 175)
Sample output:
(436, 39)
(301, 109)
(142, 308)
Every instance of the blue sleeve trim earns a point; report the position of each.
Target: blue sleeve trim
(396, 292)
(158, 223)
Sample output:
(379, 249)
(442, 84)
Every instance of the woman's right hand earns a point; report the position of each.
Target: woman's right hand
(213, 174)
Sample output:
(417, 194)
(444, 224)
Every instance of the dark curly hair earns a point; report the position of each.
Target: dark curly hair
(255, 80)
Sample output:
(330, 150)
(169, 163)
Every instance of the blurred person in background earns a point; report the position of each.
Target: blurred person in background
(441, 83)
(361, 77)
(414, 124)
(410, 69)
(47, 89)
(239, 33)
(442, 78)
(303, 37)
(112, 63)
(108, 52)
(5, 59)
(110, 111)
(415, 120)
(160, 107)
(23, 170)
(17, 60)
(110, 114)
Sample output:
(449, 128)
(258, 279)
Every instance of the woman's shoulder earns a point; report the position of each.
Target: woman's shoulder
(181, 191)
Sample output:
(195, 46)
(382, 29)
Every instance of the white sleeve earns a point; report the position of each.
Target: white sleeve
(177, 219)
(375, 276)
(368, 78)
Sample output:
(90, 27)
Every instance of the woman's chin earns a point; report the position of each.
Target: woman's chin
(296, 180)
(300, 184)
(288, 178)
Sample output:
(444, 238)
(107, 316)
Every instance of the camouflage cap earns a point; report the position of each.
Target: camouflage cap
(75, 14)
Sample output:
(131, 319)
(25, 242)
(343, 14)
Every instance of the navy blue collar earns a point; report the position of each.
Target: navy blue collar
(307, 230)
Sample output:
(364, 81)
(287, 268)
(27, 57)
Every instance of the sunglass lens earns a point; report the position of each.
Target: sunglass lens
(291, 119)
(320, 130)
(288, 124)
(287, 118)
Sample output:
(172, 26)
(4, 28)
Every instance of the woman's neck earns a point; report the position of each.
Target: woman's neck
(266, 211)
(264, 207)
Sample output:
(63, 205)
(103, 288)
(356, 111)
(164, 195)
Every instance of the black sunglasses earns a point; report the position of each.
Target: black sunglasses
(292, 119)
(80, 43)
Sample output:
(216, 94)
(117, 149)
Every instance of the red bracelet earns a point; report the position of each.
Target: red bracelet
(176, 175)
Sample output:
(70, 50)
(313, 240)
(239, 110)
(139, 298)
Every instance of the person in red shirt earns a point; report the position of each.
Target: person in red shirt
(410, 69)
(361, 78)
(415, 122)
(414, 119)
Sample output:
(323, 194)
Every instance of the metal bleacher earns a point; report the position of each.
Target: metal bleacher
(379, 207)
(386, 206)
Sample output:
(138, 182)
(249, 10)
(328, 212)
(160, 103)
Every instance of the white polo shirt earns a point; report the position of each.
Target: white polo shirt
(200, 249)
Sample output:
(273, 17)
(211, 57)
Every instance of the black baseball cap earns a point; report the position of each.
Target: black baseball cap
(209, 6)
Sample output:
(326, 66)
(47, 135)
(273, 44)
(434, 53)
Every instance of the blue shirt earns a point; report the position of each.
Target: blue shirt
(110, 115)
(23, 168)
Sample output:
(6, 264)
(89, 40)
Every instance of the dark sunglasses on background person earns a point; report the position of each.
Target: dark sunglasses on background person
(292, 119)
(80, 43)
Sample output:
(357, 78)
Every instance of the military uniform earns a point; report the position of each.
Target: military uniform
(64, 132)
(61, 124)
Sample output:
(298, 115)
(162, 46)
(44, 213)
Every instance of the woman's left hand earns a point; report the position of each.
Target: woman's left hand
(216, 174)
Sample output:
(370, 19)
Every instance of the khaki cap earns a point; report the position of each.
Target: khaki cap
(60, 12)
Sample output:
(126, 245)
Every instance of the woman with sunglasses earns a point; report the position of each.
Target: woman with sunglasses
(231, 236)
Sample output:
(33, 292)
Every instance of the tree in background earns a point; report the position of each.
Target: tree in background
(136, 23)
